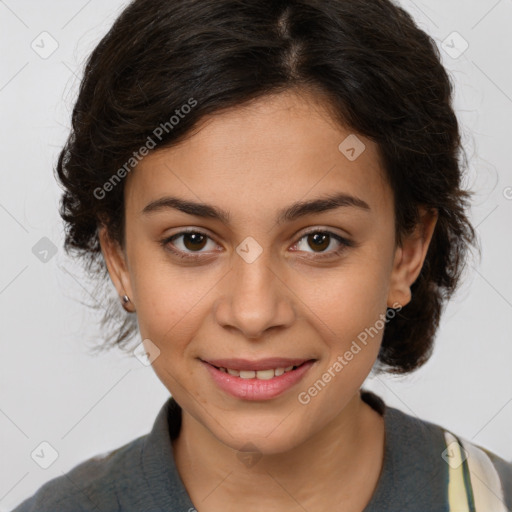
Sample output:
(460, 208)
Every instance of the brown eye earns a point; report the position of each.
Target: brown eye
(188, 244)
(318, 241)
(194, 241)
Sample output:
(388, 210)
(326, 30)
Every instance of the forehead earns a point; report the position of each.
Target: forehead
(261, 156)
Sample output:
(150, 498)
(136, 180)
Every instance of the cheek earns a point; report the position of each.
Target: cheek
(171, 300)
(347, 312)
(171, 309)
(347, 299)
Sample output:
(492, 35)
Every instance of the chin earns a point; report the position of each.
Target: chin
(259, 436)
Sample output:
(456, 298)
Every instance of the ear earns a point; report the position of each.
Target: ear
(115, 259)
(409, 258)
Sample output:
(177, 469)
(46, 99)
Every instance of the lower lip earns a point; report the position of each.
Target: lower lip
(257, 389)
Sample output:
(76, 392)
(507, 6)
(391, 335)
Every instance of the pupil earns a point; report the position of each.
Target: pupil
(321, 238)
(195, 237)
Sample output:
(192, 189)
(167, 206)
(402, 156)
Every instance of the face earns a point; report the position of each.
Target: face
(260, 275)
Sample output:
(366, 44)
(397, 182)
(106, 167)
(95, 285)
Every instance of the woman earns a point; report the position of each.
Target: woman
(275, 190)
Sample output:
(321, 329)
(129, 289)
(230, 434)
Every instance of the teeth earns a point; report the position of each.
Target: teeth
(259, 374)
(265, 374)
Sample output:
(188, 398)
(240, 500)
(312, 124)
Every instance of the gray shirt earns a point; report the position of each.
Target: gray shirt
(415, 477)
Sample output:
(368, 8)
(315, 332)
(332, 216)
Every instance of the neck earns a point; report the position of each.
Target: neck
(340, 464)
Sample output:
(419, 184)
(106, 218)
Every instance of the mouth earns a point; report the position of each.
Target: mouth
(261, 374)
(257, 380)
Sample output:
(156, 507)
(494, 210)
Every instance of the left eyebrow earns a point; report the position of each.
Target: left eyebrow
(288, 214)
(320, 205)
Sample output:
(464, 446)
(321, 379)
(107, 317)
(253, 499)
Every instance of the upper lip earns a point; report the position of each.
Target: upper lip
(260, 364)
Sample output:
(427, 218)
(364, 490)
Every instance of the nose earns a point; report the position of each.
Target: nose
(254, 299)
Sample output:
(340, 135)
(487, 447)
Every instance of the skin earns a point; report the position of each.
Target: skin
(252, 161)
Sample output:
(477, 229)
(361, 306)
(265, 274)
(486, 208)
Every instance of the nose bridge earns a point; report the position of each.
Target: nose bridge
(254, 299)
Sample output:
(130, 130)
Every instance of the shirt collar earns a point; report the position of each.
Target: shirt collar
(412, 448)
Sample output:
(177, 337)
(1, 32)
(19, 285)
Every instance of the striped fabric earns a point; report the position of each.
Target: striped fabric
(474, 484)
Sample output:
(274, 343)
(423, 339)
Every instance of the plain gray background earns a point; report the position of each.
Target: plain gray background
(52, 390)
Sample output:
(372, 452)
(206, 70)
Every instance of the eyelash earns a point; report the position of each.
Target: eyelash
(166, 244)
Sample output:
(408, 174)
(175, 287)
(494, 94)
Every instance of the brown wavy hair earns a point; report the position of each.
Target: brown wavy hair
(381, 74)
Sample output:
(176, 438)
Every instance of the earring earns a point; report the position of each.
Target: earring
(125, 300)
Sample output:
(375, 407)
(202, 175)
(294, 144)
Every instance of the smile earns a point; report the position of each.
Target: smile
(258, 374)
(256, 384)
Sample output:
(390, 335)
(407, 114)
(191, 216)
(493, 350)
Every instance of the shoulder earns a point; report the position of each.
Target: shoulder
(140, 475)
(91, 485)
(442, 470)
(475, 477)
(489, 477)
